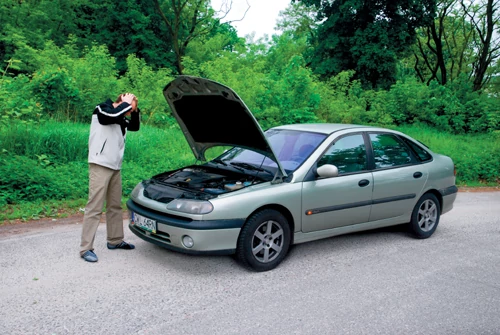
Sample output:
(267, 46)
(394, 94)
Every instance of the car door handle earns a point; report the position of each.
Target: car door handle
(363, 183)
(417, 175)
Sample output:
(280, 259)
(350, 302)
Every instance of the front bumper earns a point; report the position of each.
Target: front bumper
(210, 237)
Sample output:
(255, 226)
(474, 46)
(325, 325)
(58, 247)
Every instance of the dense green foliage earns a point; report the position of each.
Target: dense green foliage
(125, 27)
(62, 58)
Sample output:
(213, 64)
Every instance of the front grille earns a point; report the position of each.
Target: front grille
(165, 237)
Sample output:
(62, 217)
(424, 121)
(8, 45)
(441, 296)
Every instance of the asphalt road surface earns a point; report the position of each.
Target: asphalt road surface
(378, 282)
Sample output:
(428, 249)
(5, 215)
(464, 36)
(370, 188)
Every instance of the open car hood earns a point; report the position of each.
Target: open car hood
(211, 114)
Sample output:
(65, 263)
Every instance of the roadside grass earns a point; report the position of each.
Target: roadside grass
(37, 210)
(52, 179)
(47, 143)
(44, 170)
(476, 157)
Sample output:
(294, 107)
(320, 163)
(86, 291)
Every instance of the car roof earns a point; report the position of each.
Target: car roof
(325, 128)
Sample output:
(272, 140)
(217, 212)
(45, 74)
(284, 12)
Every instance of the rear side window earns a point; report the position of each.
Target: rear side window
(389, 151)
(421, 153)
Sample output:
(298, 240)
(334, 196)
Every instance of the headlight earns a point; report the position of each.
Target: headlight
(191, 206)
(136, 191)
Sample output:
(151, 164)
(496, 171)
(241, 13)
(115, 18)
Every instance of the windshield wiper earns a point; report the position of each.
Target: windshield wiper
(220, 161)
(250, 167)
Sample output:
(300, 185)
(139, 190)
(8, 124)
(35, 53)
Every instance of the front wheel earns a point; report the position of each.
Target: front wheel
(425, 216)
(264, 240)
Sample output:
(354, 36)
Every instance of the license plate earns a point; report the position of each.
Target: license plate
(144, 222)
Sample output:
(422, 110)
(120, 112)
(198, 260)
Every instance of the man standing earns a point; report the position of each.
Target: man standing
(108, 130)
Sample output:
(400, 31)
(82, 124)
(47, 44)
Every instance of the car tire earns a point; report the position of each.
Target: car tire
(425, 216)
(264, 240)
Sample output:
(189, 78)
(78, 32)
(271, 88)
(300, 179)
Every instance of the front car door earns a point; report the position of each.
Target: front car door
(343, 200)
(398, 177)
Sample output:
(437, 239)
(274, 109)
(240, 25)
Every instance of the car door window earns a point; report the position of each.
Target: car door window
(421, 153)
(348, 154)
(389, 151)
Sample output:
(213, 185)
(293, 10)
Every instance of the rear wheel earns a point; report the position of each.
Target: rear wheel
(264, 240)
(425, 216)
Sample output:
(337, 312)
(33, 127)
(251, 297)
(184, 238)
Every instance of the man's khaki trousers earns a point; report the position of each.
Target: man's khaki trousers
(105, 185)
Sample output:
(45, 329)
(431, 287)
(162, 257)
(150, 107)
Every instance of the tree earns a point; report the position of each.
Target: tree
(207, 48)
(32, 23)
(460, 41)
(367, 36)
(298, 19)
(443, 47)
(185, 21)
(125, 27)
(484, 17)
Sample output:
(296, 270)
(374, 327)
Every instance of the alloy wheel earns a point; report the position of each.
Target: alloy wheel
(427, 215)
(267, 241)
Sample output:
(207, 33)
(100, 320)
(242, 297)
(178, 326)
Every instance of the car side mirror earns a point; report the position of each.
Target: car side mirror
(327, 171)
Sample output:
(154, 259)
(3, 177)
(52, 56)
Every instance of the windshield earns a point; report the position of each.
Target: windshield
(291, 147)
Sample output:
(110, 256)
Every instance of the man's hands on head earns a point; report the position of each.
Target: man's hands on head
(128, 98)
(131, 99)
(134, 104)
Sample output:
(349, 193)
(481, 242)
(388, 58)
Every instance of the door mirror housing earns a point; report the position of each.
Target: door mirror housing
(327, 171)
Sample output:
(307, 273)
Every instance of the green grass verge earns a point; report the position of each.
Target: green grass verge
(37, 210)
(475, 156)
(44, 171)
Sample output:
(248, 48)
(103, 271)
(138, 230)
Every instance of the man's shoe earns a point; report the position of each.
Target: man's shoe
(90, 256)
(121, 245)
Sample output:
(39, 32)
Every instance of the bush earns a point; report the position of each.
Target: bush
(453, 108)
(67, 85)
(17, 102)
(148, 86)
(23, 179)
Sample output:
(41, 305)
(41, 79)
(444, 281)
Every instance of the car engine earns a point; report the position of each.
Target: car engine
(196, 182)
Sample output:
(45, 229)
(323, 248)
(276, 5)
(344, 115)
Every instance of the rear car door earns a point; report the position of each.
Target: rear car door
(398, 176)
(343, 200)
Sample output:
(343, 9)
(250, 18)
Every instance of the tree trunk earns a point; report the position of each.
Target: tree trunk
(485, 54)
(487, 51)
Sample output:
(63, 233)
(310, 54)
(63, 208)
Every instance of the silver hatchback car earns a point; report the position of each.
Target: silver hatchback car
(288, 185)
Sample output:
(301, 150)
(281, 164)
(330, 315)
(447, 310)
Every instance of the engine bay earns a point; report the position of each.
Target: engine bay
(197, 182)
